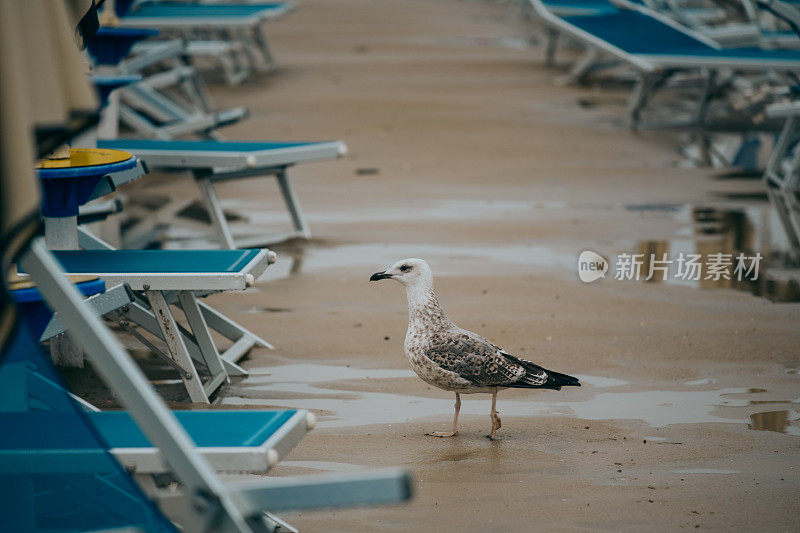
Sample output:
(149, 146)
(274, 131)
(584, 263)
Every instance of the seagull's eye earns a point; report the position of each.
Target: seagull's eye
(405, 268)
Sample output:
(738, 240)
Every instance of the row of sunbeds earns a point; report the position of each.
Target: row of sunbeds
(742, 83)
(70, 466)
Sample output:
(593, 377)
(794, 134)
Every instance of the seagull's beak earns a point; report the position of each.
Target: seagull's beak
(377, 276)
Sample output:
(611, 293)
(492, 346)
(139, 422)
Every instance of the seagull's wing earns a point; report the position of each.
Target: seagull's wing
(473, 358)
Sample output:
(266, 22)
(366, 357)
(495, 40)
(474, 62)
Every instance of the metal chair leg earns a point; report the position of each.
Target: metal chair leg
(293, 204)
(177, 348)
(215, 212)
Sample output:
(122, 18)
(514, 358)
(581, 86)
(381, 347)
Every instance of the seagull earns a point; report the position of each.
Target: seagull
(454, 359)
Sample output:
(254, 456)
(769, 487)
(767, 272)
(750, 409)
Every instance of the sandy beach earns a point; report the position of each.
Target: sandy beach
(463, 152)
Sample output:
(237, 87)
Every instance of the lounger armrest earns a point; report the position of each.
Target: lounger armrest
(378, 487)
(783, 110)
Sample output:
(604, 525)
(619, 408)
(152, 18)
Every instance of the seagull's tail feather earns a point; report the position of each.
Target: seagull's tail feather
(535, 373)
(556, 380)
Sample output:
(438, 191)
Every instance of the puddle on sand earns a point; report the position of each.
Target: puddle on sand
(514, 43)
(328, 466)
(748, 229)
(705, 471)
(448, 260)
(703, 381)
(781, 421)
(430, 210)
(259, 309)
(347, 408)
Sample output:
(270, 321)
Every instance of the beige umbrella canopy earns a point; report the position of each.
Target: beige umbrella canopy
(45, 98)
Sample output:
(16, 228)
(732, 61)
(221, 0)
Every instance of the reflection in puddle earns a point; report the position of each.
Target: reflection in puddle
(709, 231)
(259, 309)
(315, 386)
(780, 421)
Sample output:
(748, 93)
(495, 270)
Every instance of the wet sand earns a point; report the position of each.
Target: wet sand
(463, 152)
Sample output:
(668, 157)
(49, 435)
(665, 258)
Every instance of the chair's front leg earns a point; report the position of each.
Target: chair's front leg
(176, 346)
(293, 204)
(203, 337)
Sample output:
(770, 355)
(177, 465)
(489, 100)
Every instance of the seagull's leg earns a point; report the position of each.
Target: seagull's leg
(455, 422)
(495, 416)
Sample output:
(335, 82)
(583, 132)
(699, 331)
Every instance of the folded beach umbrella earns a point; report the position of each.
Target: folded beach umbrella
(45, 99)
(56, 473)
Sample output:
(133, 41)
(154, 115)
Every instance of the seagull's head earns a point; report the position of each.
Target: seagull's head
(409, 272)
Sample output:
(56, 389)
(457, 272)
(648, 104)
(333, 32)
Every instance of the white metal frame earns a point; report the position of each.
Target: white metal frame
(226, 160)
(209, 166)
(243, 339)
(158, 311)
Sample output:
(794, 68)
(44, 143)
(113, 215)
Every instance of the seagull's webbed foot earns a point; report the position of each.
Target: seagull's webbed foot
(496, 424)
(442, 434)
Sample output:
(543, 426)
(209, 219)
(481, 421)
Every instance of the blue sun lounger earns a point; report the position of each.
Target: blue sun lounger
(177, 14)
(232, 441)
(231, 22)
(167, 277)
(657, 47)
(167, 102)
(566, 8)
(216, 161)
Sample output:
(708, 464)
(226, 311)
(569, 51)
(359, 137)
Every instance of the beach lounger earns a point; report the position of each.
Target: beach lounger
(242, 23)
(657, 47)
(242, 339)
(216, 161)
(227, 53)
(167, 103)
(172, 276)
